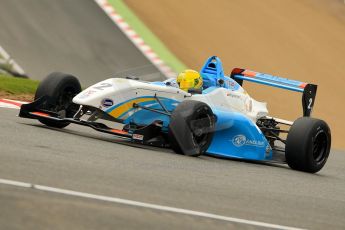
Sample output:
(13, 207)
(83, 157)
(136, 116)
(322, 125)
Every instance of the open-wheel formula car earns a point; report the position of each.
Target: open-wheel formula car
(220, 119)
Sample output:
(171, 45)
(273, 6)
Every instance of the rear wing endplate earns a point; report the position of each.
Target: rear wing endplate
(308, 90)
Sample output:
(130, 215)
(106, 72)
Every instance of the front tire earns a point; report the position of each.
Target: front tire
(60, 89)
(308, 144)
(191, 128)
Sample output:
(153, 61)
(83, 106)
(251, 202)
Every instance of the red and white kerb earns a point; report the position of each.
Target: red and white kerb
(12, 104)
(135, 38)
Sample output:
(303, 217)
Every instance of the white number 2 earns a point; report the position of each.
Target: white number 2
(310, 102)
(102, 86)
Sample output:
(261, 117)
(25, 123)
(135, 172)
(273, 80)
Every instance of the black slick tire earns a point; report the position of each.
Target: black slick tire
(60, 89)
(308, 144)
(191, 128)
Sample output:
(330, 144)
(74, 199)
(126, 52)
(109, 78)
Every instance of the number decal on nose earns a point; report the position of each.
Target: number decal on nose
(102, 86)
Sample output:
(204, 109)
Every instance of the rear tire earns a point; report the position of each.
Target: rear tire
(308, 144)
(191, 128)
(60, 89)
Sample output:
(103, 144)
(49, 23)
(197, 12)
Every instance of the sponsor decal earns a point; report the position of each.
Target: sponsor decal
(249, 104)
(138, 137)
(87, 93)
(268, 150)
(241, 140)
(233, 95)
(107, 102)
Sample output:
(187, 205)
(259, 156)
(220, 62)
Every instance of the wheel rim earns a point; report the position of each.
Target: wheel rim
(64, 100)
(201, 134)
(320, 147)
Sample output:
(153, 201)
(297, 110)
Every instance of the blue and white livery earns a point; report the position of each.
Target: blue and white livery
(221, 119)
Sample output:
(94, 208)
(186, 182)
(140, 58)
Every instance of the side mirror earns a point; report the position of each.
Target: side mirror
(220, 81)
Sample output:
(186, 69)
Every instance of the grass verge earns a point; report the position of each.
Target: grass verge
(15, 85)
(151, 39)
(17, 88)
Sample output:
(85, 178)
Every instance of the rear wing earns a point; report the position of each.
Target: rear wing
(308, 90)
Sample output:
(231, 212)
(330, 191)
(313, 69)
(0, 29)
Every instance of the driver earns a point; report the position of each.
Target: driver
(189, 79)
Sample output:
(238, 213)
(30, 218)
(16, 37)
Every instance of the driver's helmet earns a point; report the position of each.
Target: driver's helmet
(189, 79)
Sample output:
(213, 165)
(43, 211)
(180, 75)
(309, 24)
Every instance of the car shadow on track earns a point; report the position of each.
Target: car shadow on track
(126, 142)
(102, 137)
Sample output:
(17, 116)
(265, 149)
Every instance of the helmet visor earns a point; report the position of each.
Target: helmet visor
(186, 84)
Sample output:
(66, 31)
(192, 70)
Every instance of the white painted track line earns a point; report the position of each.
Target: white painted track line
(144, 205)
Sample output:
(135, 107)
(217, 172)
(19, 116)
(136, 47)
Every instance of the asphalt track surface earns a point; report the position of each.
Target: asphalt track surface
(80, 159)
(69, 36)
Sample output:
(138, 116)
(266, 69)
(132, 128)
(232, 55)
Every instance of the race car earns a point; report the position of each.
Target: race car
(219, 119)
